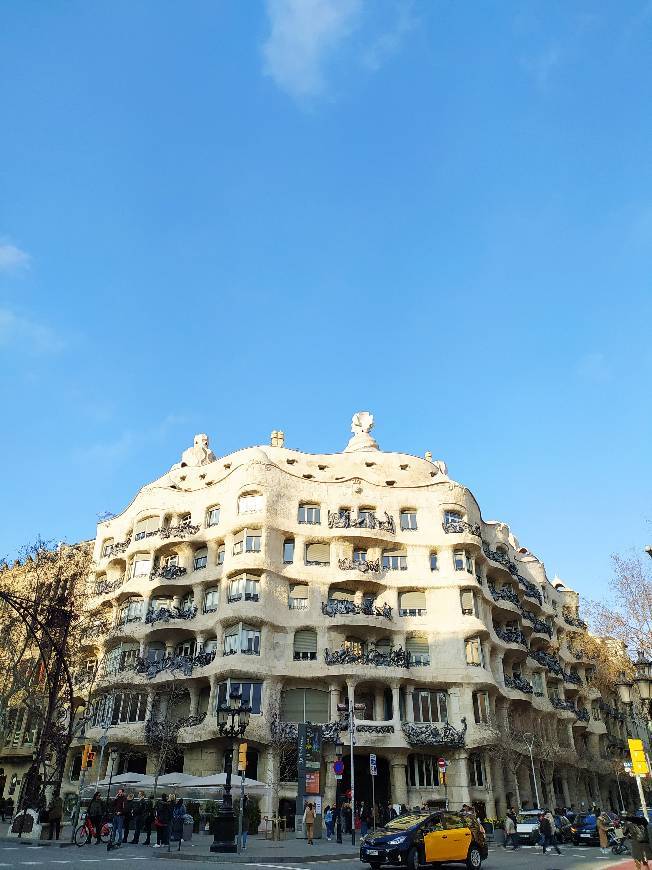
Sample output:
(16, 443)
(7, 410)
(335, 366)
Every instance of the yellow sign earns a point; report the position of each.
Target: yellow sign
(242, 756)
(639, 758)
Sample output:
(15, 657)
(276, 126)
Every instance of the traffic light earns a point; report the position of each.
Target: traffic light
(90, 757)
(88, 748)
(242, 756)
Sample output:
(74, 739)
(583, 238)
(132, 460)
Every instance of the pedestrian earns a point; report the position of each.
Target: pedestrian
(118, 819)
(603, 824)
(2, 808)
(245, 821)
(95, 813)
(329, 822)
(162, 822)
(347, 817)
(636, 830)
(146, 819)
(364, 820)
(309, 823)
(137, 817)
(129, 810)
(55, 814)
(178, 812)
(510, 830)
(547, 829)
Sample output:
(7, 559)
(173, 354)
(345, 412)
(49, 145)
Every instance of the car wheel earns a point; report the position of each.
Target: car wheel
(413, 859)
(375, 865)
(474, 858)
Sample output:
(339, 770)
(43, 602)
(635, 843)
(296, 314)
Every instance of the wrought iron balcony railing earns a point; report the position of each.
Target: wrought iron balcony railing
(583, 714)
(573, 678)
(393, 658)
(547, 660)
(165, 614)
(504, 594)
(458, 527)
(184, 664)
(511, 635)
(529, 589)
(575, 621)
(429, 734)
(350, 608)
(346, 520)
(563, 704)
(167, 572)
(519, 683)
(363, 565)
(102, 587)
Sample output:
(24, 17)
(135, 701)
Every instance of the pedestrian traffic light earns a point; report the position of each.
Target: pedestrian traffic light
(87, 748)
(242, 756)
(90, 757)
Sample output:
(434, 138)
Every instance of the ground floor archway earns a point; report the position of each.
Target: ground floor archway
(363, 784)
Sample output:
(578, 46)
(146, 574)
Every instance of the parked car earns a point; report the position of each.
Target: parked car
(527, 826)
(419, 839)
(585, 828)
(564, 828)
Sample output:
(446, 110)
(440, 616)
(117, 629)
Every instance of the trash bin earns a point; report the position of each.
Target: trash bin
(187, 828)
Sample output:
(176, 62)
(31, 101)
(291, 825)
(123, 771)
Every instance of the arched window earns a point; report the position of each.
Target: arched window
(304, 705)
(337, 594)
(412, 604)
(250, 503)
(305, 645)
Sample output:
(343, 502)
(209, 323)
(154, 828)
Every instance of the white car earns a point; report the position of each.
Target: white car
(527, 826)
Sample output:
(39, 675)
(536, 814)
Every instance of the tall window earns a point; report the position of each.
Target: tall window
(474, 652)
(252, 693)
(304, 705)
(423, 771)
(141, 566)
(394, 560)
(481, 707)
(468, 602)
(129, 707)
(537, 683)
(412, 604)
(429, 706)
(201, 558)
(433, 561)
(248, 541)
(107, 547)
(146, 528)
(452, 518)
(213, 516)
(186, 648)
(408, 520)
(220, 554)
(305, 645)
(359, 555)
(243, 639)
(309, 514)
(476, 770)
(367, 517)
(250, 503)
(131, 610)
(419, 650)
(317, 554)
(245, 588)
(288, 551)
(458, 560)
(211, 600)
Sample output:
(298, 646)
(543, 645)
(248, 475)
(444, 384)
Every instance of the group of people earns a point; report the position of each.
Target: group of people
(138, 814)
(364, 817)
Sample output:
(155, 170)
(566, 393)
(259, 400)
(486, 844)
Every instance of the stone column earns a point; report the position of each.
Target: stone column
(142, 647)
(200, 640)
(491, 793)
(193, 691)
(409, 703)
(566, 790)
(330, 784)
(460, 782)
(379, 704)
(396, 706)
(334, 690)
(198, 595)
(398, 780)
(150, 704)
(212, 698)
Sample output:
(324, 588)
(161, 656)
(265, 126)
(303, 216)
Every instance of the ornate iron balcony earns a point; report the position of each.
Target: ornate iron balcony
(583, 714)
(570, 677)
(547, 660)
(512, 635)
(183, 530)
(184, 664)
(165, 614)
(167, 572)
(501, 558)
(359, 565)
(374, 729)
(563, 704)
(529, 589)
(395, 658)
(117, 549)
(458, 527)
(504, 594)
(428, 734)
(350, 608)
(102, 587)
(575, 621)
(94, 629)
(519, 683)
(345, 520)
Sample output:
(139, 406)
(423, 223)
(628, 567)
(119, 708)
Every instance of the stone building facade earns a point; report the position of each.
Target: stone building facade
(305, 579)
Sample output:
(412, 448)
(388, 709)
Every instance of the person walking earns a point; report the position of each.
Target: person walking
(118, 820)
(309, 823)
(329, 821)
(176, 827)
(137, 817)
(162, 822)
(245, 822)
(146, 819)
(55, 814)
(129, 811)
(510, 830)
(347, 817)
(603, 823)
(547, 828)
(636, 829)
(364, 819)
(95, 813)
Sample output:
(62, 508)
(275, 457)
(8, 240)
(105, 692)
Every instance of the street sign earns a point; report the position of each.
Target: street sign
(373, 768)
(639, 759)
(338, 767)
(103, 740)
(442, 764)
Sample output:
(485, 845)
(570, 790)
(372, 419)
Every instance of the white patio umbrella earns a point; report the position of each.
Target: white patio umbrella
(218, 780)
(124, 779)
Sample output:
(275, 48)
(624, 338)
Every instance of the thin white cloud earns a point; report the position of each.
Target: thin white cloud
(303, 35)
(389, 42)
(594, 368)
(542, 66)
(20, 333)
(12, 257)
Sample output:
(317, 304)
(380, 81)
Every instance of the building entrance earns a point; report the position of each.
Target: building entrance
(363, 779)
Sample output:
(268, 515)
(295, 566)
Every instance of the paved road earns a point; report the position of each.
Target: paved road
(46, 858)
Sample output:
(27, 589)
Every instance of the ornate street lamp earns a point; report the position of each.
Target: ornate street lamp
(643, 677)
(232, 721)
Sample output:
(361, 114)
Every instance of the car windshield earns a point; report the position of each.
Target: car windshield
(586, 819)
(527, 818)
(402, 823)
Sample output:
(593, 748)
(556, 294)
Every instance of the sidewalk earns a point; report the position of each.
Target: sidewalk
(264, 851)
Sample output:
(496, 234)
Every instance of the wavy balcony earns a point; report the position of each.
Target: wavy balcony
(363, 565)
(350, 608)
(394, 658)
(167, 614)
(345, 520)
(512, 635)
(520, 684)
(459, 527)
(429, 734)
(548, 661)
(505, 594)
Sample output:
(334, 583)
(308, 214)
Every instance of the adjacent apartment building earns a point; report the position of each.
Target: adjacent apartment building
(305, 579)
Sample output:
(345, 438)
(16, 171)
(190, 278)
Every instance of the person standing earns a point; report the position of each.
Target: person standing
(178, 812)
(95, 813)
(129, 809)
(162, 822)
(510, 830)
(55, 814)
(146, 819)
(548, 833)
(118, 819)
(636, 829)
(245, 822)
(328, 821)
(137, 817)
(309, 823)
(603, 823)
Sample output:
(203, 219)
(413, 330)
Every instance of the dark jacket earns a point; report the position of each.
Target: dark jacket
(146, 811)
(95, 809)
(163, 812)
(545, 827)
(119, 805)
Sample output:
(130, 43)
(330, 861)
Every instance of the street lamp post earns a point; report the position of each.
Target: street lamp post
(232, 721)
(339, 752)
(529, 742)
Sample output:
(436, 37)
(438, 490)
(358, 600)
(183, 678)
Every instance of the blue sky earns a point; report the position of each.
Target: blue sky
(234, 217)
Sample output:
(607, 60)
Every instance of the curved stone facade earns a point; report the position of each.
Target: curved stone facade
(308, 577)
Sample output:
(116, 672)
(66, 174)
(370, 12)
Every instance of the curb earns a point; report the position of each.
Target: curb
(230, 858)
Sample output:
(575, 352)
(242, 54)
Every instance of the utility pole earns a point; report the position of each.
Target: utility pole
(529, 742)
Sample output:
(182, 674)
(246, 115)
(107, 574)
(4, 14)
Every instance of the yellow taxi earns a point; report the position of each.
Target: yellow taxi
(418, 839)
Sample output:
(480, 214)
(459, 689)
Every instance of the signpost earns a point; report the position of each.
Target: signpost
(373, 770)
(442, 764)
(640, 769)
(309, 766)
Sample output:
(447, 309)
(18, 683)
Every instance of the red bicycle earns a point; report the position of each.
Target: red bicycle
(86, 832)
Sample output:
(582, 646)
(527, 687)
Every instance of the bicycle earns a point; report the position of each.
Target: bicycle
(85, 833)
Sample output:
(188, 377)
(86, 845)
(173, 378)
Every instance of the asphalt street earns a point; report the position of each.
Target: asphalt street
(47, 858)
